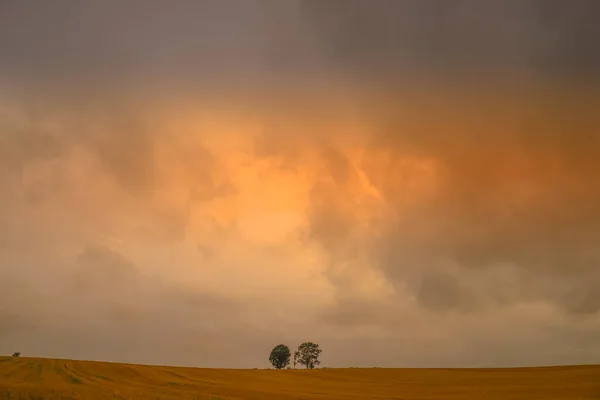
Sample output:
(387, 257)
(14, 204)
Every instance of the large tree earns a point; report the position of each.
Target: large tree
(280, 356)
(307, 355)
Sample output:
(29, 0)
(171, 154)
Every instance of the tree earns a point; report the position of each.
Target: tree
(17, 354)
(280, 356)
(307, 355)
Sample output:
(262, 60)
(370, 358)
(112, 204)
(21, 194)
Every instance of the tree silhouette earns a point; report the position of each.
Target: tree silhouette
(280, 356)
(308, 355)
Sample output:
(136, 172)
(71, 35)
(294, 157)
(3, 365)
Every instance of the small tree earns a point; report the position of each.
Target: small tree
(280, 356)
(307, 355)
(17, 354)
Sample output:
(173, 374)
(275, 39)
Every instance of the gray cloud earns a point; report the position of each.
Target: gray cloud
(151, 163)
(463, 37)
(106, 309)
(517, 199)
(270, 42)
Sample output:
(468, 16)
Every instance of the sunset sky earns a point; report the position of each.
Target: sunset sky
(406, 183)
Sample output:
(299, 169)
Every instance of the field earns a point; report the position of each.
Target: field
(30, 378)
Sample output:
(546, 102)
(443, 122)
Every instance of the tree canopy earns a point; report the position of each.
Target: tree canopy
(308, 355)
(280, 356)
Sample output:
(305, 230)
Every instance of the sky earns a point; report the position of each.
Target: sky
(406, 183)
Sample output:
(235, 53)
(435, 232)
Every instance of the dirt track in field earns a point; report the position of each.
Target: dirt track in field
(30, 378)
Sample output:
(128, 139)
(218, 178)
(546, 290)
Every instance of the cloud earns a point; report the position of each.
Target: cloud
(414, 181)
(462, 38)
(511, 186)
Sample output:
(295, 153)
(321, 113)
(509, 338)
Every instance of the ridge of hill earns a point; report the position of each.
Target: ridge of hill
(38, 378)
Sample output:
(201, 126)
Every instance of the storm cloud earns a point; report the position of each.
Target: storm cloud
(405, 183)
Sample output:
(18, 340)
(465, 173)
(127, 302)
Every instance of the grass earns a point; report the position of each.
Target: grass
(33, 379)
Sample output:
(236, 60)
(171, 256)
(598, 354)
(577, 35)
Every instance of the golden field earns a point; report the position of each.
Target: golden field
(32, 378)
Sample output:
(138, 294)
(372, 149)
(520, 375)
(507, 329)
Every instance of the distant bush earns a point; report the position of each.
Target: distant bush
(17, 354)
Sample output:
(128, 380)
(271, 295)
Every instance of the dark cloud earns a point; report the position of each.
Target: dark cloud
(514, 186)
(270, 43)
(461, 37)
(163, 40)
(447, 212)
